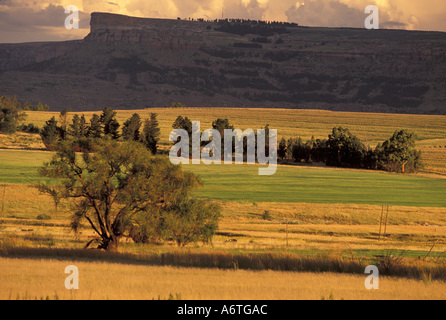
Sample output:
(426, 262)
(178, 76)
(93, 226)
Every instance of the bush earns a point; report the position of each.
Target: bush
(29, 128)
(177, 105)
(266, 215)
(10, 114)
(43, 216)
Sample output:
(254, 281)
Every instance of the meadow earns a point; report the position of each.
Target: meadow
(318, 185)
(290, 183)
(300, 212)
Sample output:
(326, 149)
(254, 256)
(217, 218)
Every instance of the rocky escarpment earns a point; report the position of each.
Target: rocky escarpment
(155, 33)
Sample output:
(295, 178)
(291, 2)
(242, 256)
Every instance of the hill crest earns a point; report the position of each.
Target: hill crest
(127, 63)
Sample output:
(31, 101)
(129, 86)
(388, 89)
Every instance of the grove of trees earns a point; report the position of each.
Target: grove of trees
(345, 150)
(103, 126)
(341, 149)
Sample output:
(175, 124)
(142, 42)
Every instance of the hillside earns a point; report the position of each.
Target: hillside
(133, 63)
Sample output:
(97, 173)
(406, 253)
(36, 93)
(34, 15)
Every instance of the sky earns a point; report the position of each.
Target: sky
(43, 20)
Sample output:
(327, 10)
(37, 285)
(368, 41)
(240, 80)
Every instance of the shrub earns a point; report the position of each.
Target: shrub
(266, 215)
(43, 216)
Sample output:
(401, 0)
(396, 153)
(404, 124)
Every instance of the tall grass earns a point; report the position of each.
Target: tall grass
(24, 278)
(281, 261)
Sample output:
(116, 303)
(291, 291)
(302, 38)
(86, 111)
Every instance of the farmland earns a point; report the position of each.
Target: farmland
(301, 211)
(289, 184)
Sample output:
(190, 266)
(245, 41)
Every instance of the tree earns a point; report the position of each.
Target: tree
(185, 124)
(151, 133)
(191, 221)
(75, 127)
(282, 150)
(221, 125)
(177, 105)
(320, 151)
(95, 128)
(63, 119)
(397, 154)
(130, 129)
(310, 146)
(299, 150)
(345, 149)
(10, 114)
(51, 133)
(40, 107)
(109, 123)
(266, 141)
(118, 188)
(289, 147)
(83, 126)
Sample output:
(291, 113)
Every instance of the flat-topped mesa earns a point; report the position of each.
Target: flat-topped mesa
(155, 33)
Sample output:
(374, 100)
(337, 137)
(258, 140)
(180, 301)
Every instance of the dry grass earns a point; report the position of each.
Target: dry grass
(434, 159)
(21, 140)
(42, 279)
(311, 227)
(370, 127)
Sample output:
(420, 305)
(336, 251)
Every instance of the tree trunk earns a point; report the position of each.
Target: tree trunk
(403, 166)
(109, 244)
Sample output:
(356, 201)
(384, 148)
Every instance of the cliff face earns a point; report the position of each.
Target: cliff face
(129, 63)
(155, 33)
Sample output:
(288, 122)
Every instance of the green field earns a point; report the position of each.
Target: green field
(20, 167)
(289, 184)
(318, 185)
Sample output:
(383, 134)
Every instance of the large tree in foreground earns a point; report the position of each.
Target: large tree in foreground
(121, 187)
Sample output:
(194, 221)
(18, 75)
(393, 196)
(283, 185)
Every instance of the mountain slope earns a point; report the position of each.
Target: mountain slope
(130, 63)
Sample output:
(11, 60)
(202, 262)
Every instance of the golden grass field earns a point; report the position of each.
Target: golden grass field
(343, 231)
(369, 127)
(304, 227)
(44, 279)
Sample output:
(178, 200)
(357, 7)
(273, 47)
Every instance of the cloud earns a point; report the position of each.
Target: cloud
(393, 25)
(325, 13)
(26, 20)
(404, 14)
